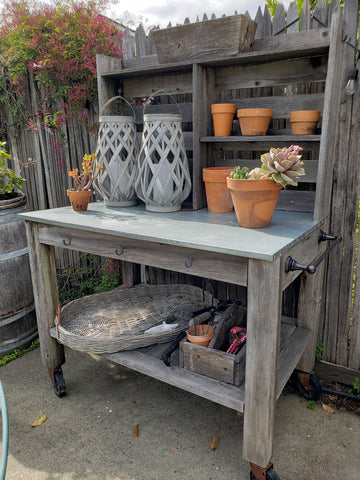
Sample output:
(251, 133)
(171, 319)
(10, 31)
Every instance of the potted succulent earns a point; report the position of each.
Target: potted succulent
(255, 193)
(11, 184)
(79, 195)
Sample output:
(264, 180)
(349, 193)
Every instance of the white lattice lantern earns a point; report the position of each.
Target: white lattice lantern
(163, 181)
(117, 151)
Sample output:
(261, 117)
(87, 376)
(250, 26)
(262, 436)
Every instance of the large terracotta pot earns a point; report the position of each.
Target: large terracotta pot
(223, 116)
(254, 121)
(218, 196)
(303, 122)
(254, 201)
(79, 200)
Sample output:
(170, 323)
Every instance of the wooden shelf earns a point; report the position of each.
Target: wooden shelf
(147, 361)
(262, 139)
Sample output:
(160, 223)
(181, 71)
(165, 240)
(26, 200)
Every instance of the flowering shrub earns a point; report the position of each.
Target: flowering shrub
(57, 43)
(84, 180)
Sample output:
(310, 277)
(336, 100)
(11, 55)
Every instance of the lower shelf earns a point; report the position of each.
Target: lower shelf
(148, 362)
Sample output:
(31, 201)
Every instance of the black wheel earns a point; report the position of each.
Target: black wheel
(270, 475)
(315, 388)
(59, 385)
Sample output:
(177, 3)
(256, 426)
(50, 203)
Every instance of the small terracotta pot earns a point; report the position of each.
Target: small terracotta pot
(254, 121)
(200, 334)
(79, 200)
(254, 201)
(223, 116)
(218, 196)
(303, 122)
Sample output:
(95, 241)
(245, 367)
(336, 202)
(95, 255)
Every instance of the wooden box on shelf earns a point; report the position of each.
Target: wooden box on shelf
(211, 361)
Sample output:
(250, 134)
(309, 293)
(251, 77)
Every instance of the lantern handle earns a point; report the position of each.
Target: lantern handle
(156, 93)
(107, 103)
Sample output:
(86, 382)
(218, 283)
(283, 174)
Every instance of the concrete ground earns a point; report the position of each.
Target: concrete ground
(89, 432)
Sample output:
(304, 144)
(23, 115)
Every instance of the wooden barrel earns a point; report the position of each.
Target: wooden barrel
(17, 313)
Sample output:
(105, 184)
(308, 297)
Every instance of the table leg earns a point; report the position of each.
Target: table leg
(262, 350)
(43, 274)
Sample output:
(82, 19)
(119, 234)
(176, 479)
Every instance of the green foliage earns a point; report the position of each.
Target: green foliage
(97, 274)
(356, 386)
(57, 43)
(18, 353)
(9, 180)
(319, 351)
(311, 405)
(240, 173)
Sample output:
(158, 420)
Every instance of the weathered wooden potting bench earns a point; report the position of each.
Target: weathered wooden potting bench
(212, 245)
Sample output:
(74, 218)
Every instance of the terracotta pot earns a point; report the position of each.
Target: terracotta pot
(218, 196)
(254, 121)
(303, 122)
(200, 334)
(254, 201)
(223, 116)
(79, 200)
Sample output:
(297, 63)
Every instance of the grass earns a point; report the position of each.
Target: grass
(18, 352)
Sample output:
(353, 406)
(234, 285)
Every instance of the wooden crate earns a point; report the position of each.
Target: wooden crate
(222, 36)
(211, 361)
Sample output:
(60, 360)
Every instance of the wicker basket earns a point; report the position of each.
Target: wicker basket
(113, 321)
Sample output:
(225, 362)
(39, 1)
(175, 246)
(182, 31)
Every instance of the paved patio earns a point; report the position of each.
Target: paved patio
(89, 432)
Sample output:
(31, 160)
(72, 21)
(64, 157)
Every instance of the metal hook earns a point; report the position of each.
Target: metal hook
(67, 241)
(119, 251)
(188, 261)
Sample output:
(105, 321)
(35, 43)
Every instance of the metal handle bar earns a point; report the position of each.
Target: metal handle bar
(291, 265)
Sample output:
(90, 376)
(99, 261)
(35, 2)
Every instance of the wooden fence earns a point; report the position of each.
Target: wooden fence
(47, 182)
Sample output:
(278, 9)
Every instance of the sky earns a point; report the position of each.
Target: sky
(162, 12)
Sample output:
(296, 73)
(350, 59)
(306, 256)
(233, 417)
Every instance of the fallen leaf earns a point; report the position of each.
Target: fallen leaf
(214, 443)
(175, 449)
(39, 421)
(327, 408)
(332, 398)
(136, 430)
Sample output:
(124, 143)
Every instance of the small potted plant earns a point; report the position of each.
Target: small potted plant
(79, 195)
(11, 184)
(256, 192)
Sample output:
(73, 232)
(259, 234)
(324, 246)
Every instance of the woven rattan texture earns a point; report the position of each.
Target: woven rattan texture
(114, 321)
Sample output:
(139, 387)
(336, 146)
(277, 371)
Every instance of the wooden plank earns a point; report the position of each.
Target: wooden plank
(228, 395)
(43, 273)
(330, 372)
(204, 92)
(296, 201)
(277, 72)
(345, 197)
(330, 120)
(305, 252)
(284, 104)
(292, 19)
(291, 350)
(141, 41)
(262, 344)
(223, 36)
(278, 23)
(195, 262)
(304, 44)
(143, 86)
(106, 87)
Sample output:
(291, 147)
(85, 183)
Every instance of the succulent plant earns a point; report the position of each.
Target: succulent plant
(283, 165)
(240, 173)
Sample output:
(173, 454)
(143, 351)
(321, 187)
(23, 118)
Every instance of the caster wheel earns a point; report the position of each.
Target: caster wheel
(59, 384)
(270, 475)
(313, 392)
